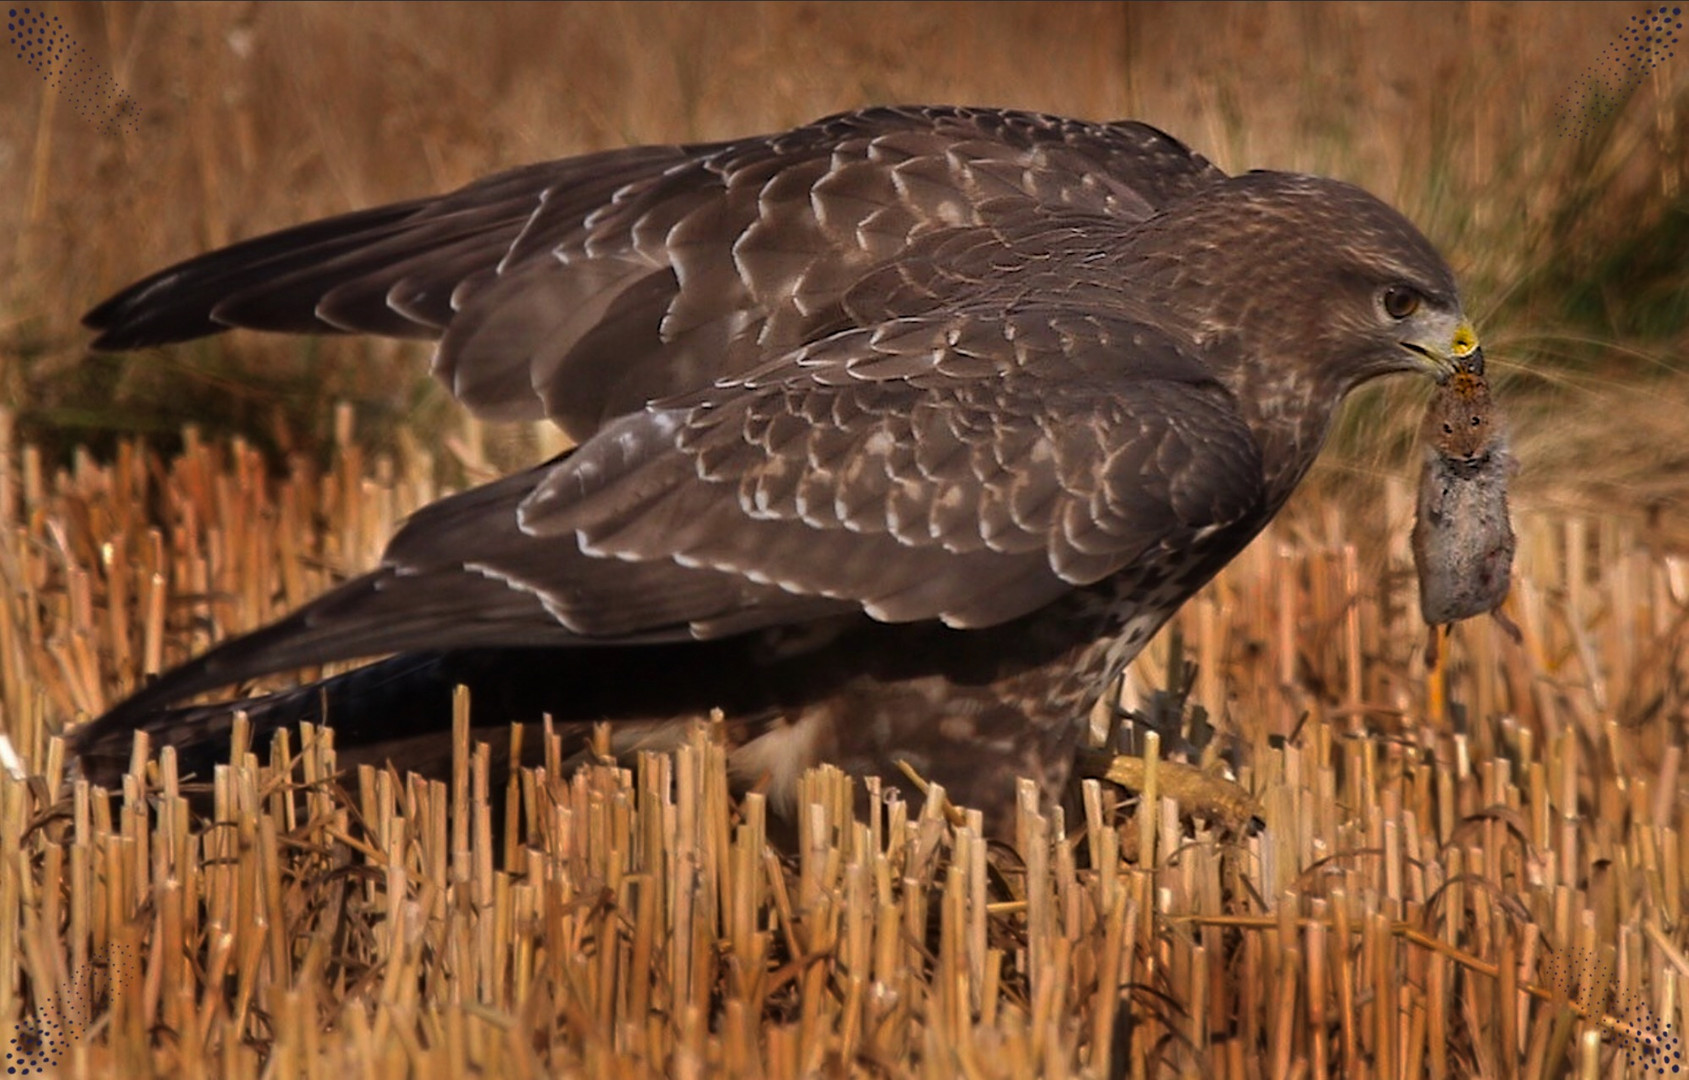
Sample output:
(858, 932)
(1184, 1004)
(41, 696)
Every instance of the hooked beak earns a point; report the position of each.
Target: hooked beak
(1459, 352)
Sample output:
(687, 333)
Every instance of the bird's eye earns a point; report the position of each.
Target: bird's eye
(1448, 428)
(1477, 420)
(1400, 302)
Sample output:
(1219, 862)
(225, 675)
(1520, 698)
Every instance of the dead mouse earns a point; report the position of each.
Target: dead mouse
(1463, 541)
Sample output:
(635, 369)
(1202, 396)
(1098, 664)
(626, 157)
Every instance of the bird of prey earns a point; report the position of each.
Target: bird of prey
(898, 433)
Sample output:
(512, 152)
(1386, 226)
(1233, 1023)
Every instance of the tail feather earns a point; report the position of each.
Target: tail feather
(397, 710)
(373, 615)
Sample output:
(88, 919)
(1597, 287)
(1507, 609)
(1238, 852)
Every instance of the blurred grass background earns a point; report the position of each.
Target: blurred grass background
(255, 116)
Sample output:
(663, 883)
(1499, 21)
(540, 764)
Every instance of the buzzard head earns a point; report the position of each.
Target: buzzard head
(1302, 280)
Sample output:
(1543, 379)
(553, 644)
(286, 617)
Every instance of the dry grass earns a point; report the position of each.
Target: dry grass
(1434, 858)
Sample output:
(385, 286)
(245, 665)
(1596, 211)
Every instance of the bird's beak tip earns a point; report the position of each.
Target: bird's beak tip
(1466, 353)
(1462, 354)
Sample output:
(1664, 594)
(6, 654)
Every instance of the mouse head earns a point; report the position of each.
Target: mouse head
(1462, 422)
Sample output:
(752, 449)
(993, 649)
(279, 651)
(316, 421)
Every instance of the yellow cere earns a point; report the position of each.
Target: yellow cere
(1465, 341)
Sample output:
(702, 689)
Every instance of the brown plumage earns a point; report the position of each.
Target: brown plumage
(1463, 539)
(900, 433)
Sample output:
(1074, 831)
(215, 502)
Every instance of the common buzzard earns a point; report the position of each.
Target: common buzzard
(899, 433)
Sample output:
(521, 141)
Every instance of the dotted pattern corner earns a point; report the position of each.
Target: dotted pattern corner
(41, 41)
(40, 1042)
(1646, 41)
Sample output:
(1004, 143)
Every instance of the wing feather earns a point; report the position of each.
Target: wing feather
(766, 502)
(763, 245)
(1080, 478)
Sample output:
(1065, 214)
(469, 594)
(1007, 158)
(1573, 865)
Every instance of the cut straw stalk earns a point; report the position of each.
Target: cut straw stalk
(642, 916)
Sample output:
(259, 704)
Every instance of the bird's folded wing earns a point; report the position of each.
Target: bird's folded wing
(584, 288)
(968, 468)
